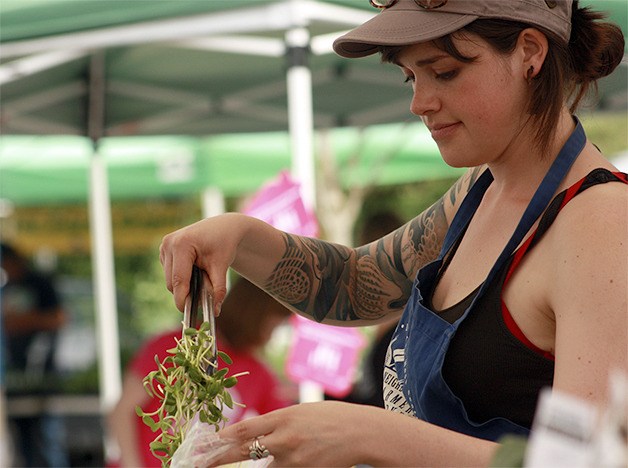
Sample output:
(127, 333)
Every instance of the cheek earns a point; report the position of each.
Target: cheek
(490, 117)
(496, 103)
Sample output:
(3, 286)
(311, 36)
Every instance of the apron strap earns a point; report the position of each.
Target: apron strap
(466, 211)
(543, 196)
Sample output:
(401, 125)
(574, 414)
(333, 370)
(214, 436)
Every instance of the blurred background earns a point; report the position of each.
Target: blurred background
(123, 121)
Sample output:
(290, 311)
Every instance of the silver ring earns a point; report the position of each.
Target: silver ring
(258, 451)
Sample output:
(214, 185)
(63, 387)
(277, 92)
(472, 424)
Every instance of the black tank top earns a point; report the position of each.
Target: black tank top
(490, 365)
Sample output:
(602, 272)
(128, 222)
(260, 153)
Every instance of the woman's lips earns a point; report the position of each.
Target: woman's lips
(441, 131)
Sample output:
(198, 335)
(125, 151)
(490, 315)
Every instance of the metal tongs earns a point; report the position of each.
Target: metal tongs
(197, 294)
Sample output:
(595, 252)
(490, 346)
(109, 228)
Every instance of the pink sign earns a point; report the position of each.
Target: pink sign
(324, 354)
(279, 203)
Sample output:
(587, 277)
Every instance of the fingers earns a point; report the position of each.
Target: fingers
(246, 431)
(178, 252)
(166, 262)
(177, 257)
(177, 269)
(243, 436)
(215, 278)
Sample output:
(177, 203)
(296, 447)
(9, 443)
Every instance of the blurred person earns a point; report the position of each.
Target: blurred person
(247, 320)
(32, 314)
(512, 282)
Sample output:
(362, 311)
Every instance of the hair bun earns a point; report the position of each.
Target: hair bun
(596, 45)
(608, 63)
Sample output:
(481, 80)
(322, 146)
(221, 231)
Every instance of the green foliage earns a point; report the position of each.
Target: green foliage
(407, 201)
(81, 383)
(607, 130)
(154, 306)
(186, 390)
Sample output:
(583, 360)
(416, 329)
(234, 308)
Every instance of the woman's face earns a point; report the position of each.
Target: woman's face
(474, 110)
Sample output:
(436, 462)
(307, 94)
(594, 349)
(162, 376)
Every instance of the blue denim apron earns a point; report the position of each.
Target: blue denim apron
(422, 337)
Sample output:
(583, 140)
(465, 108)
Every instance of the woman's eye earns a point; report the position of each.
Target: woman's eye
(447, 75)
(408, 79)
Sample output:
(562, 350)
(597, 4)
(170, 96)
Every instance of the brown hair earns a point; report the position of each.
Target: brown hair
(595, 49)
(244, 312)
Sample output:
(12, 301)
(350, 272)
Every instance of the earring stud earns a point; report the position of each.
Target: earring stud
(530, 74)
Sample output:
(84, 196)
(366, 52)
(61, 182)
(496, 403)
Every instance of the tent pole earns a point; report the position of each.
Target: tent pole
(213, 202)
(102, 246)
(301, 129)
(301, 114)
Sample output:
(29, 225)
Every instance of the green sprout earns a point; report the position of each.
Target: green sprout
(188, 385)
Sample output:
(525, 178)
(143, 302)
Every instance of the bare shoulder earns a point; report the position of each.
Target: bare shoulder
(600, 209)
(592, 229)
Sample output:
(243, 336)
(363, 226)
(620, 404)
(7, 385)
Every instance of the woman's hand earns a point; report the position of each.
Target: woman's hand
(309, 434)
(333, 433)
(249, 245)
(211, 244)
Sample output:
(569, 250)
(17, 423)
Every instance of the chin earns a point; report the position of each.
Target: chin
(455, 161)
(459, 156)
(458, 165)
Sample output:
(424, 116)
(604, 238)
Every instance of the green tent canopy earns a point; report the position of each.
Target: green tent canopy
(198, 67)
(55, 169)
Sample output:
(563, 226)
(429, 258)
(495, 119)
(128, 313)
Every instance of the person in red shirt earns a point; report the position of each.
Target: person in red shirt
(246, 323)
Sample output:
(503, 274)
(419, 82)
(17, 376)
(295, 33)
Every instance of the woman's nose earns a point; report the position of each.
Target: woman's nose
(424, 101)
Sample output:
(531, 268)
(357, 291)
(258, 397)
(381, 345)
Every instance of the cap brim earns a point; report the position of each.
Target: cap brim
(398, 27)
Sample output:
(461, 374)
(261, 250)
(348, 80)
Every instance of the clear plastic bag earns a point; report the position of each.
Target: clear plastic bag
(202, 446)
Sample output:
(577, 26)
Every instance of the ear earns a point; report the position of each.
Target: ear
(532, 46)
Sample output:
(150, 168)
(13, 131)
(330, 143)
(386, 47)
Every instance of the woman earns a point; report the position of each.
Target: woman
(511, 304)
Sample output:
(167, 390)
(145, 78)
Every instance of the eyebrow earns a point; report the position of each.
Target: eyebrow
(431, 60)
(424, 62)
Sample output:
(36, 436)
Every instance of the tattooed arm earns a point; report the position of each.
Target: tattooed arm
(329, 282)
(336, 284)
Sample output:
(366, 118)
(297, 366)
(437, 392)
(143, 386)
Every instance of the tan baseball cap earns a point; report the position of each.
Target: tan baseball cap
(407, 22)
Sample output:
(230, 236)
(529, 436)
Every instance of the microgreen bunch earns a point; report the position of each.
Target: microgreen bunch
(186, 391)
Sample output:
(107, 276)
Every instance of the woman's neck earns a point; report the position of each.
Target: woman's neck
(520, 170)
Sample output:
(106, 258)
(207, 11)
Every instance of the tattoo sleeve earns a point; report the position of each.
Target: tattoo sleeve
(330, 282)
